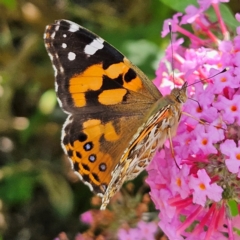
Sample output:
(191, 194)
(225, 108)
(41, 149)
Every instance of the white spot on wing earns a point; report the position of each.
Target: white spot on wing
(59, 102)
(64, 35)
(71, 56)
(73, 26)
(57, 27)
(55, 70)
(64, 45)
(53, 35)
(50, 56)
(61, 69)
(95, 45)
(56, 86)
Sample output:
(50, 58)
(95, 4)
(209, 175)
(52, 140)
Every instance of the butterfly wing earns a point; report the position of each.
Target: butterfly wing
(105, 95)
(90, 72)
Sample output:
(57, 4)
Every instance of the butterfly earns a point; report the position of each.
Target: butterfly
(117, 118)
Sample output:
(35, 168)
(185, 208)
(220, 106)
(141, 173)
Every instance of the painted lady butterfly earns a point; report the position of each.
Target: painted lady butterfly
(117, 118)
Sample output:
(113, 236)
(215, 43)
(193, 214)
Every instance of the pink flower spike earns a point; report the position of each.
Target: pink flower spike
(181, 204)
(208, 32)
(202, 188)
(230, 229)
(221, 215)
(189, 220)
(204, 220)
(211, 226)
(191, 36)
(220, 20)
(191, 201)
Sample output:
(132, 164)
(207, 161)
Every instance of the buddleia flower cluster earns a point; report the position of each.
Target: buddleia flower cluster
(200, 198)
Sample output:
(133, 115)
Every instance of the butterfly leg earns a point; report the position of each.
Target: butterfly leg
(171, 145)
(191, 116)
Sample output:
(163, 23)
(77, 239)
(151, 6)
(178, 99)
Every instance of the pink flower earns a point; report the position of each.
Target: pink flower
(147, 230)
(230, 108)
(233, 155)
(202, 188)
(194, 200)
(143, 231)
(131, 234)
(179, 182)
(86, 217)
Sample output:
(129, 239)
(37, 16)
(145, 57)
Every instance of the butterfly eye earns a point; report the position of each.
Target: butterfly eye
(178, 98)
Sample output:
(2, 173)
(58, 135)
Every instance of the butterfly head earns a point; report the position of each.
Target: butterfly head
(180, 94)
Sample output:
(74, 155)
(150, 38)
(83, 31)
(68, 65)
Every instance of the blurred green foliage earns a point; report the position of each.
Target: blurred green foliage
(38, 196)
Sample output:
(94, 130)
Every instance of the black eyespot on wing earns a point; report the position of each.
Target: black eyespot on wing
(102, 167)
(88, 146)
(92, 158)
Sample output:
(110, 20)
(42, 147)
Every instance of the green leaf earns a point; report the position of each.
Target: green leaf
(179, 5)
(233, 207)
(228, 16)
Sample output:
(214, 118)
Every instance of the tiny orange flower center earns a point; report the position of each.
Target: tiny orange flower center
(204, 141)
(202, 186)
(199, 109)
(223, 79)
(234, 108)
(179, 182)
(238, 156)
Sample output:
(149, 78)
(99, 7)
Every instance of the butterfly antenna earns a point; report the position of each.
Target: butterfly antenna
(196, 102)
(172, 62)
(224, 70)
(201, 80)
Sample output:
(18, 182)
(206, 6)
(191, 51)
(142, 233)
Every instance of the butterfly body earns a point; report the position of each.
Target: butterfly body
(117, 117)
